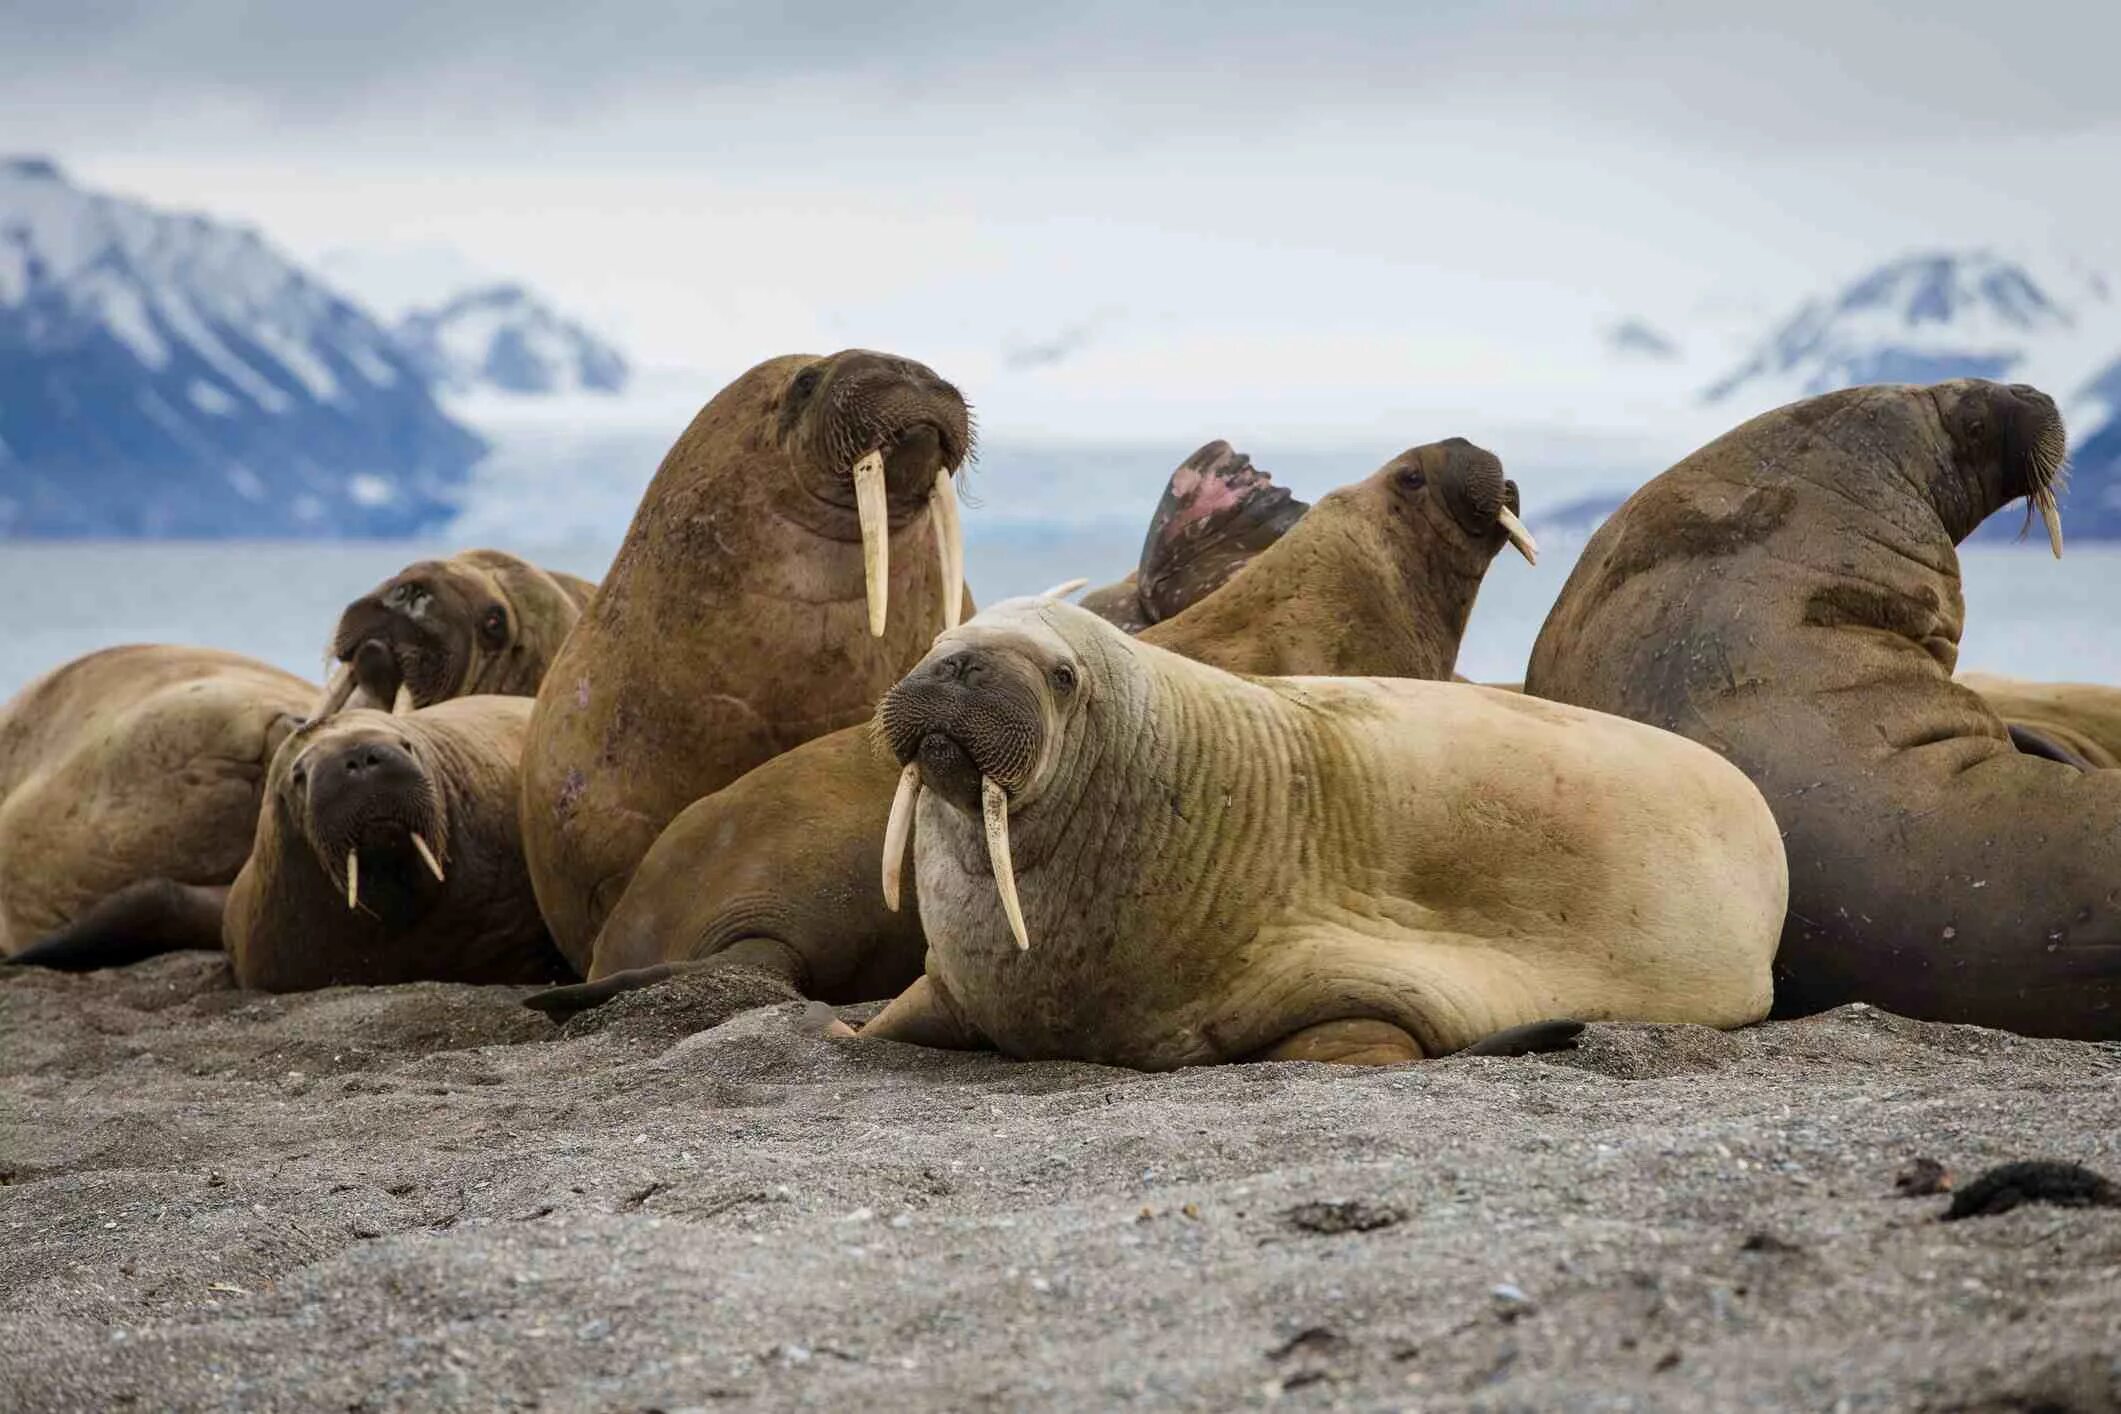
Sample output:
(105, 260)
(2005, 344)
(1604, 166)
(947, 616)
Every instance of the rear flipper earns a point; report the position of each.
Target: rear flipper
(1529, 1039)
(760, 954)
(139, 921)
(2034, 742)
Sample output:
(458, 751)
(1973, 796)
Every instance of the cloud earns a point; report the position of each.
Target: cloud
(1070, 340)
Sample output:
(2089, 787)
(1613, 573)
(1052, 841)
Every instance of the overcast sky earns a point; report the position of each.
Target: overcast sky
(1098, 217)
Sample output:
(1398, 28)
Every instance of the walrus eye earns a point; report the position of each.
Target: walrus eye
(1063, 677)
(805, 382)
(493, 625)
(1412, 480)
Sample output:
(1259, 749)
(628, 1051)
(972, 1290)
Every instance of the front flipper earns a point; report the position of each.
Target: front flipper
(758, 954)
(925, 1015)
(139, 921)
(1527, 1040)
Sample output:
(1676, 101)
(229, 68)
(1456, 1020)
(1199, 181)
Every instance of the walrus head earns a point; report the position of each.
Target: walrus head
(880, 437)
(479, 622)
(2006, 441)
(982, 720)
(1463, 487)
(359, 790)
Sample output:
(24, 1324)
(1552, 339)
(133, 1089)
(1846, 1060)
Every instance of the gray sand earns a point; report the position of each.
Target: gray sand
(429, 1197)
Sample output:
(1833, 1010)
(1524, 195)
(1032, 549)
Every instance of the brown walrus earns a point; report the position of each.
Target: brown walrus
(779, 869)
(1130, 858)
(1789, 595)
(479, 622)
(136, 772)
(796, 552)
(387, 850)
(1217, 512)
(2076, 722)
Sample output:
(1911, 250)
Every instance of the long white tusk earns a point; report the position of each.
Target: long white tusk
(1064, 589)
(876, 537)
(2052, 514)
(353, 878)
(427, 856)
(337, 689)
(1519, 536)
(403, 703)
(996, 803)
(897, 829)
(949, 546)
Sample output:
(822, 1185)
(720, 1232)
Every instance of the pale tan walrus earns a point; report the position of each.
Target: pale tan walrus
(1131, 858)
(778, 870)
(795, 554)
(131, 778)
(2075, 722)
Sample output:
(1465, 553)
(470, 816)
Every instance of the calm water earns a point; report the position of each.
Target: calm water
(2027, 613)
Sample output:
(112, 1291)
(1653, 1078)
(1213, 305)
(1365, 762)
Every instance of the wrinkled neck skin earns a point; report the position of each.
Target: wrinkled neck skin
(1144, 836)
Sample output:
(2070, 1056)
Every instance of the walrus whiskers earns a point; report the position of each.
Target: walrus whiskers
(876, 537)
(898, 829)
(1519, 536)
(949, 545)
(996, 803)
(427, 857)
(353, 878)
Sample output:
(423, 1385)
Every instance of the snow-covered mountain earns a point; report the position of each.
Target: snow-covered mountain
(502, 338)
(165, 374)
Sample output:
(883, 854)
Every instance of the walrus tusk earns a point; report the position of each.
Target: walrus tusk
(427, 856)
(949, 546)
(1519, 536)
(896, 830)
(336, 691)
(403, 702)
(1064, 589)
(2052, 514)
(353, 878)
(996, 802)
(876, 537)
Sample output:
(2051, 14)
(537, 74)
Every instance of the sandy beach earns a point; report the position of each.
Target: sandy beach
(430, 1197)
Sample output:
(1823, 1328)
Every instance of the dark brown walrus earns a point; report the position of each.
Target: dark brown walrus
(387, 850)
(780, 869)
(1217, 512)
(479, 622)
(134, 775)
(1789, 596)
(794, 555)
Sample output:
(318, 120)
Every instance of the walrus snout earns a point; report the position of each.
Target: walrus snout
(1470, 482)
(371, 795)
(408, 643)
(965, 715)
(2007, 441)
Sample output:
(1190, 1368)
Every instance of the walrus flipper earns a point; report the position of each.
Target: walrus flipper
(563, 1003)
(1526, 1040)
(139, 921)
(2031, 741)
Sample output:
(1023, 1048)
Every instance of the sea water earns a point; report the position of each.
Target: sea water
(2027, 613)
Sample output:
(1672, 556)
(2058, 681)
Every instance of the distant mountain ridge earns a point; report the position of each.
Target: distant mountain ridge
(164, 374)
(502, 338)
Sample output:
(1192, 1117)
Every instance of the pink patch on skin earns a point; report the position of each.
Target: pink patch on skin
(1202, 496)
(581, 693)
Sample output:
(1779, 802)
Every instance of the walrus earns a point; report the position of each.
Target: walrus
(134, 775)
(2075, 722)
(387, 850)
(779, 869)
(1789, 595)
(795, 554)
(1131, 858)
(480, 622)
(1218, 510)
